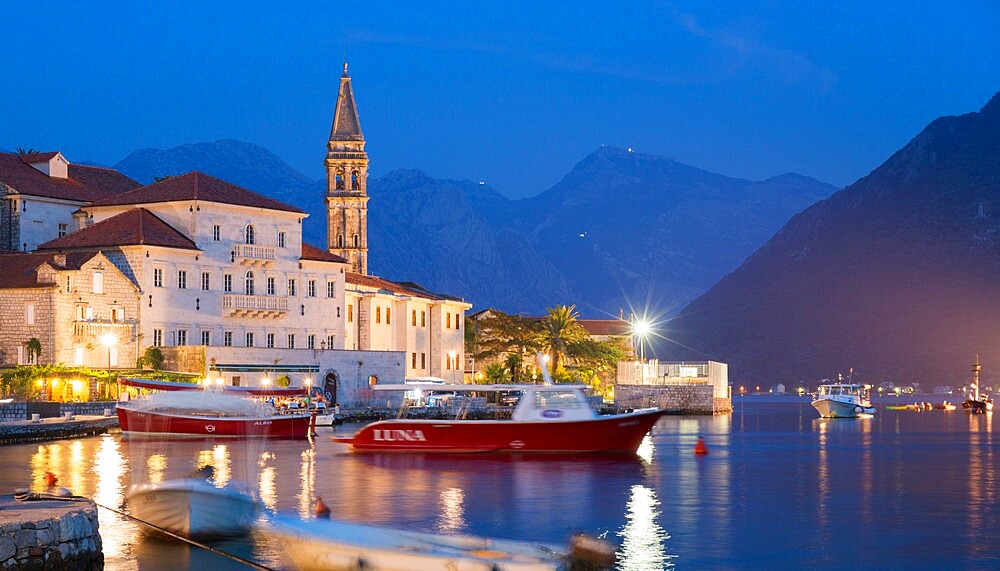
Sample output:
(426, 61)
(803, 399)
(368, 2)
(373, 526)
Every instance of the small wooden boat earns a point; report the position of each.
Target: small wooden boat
(323, 544)
(193, 507)
(946, 406)
(900, 407)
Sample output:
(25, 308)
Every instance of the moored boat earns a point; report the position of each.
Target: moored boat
(203, 414)
(843, 400)
(323, 544)
(547, 418)
(945, 405)
(193, 507)
(977, 402)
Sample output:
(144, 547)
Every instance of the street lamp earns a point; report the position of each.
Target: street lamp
(109, 340)
(641, 329)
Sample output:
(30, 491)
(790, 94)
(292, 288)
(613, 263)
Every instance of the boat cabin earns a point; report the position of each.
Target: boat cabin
(841, 390)
(536, 402)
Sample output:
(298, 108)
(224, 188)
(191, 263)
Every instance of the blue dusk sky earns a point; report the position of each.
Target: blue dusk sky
(512, 93)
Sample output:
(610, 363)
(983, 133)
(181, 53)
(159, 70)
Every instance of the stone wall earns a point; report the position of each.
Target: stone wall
(13, 411)
(93, 408)
(49, 535)
(681, 399)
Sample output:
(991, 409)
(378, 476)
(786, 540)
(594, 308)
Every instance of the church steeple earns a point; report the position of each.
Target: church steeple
(346, 181)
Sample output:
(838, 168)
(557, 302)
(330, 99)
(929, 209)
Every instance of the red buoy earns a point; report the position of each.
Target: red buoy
(50, 479)
(700, 448)
(322, 510)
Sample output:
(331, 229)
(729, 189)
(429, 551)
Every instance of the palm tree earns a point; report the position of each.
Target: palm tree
(560, 330)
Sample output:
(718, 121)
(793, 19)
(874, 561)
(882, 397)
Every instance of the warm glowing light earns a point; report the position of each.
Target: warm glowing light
(545, 358)
(266, 381)
(218, 381)
(308, 381)
(109, 339)
(641, 328)
(41, 382)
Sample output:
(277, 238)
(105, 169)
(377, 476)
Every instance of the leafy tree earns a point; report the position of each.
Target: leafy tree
(495, 374)
(560, 330)
(29, 151)
(514, 365)
(152, 358)
(34, 350)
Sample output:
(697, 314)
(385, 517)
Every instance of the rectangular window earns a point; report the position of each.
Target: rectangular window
(270, 286)
(206, 338)
(29, 314)
(157, 338)
(281, 239)
(182, 337)
(457, 322)
(291, 340)
(68, 284)
(413, 360)
(447, 323)
(216, 232)
(311, 288)
(227, 283)
(249, 339)
(423, 319)
(311, 342)
(182, 279)
(227, 338)
(270, 340)
(329, 341)
(388, 316)
(157, 277)
(423, 360)
(291, 287)
(413, 322)
(331, 289)
(378, 314)
(205, 281)
(350, 313)
(63, 230)
(117, 314)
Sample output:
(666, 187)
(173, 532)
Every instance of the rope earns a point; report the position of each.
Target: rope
(40, 496)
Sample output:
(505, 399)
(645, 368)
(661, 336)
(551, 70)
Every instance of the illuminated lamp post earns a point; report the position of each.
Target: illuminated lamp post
(109, 340)
(641, 330)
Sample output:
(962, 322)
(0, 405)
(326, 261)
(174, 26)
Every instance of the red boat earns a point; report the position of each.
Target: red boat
(204, 414)
(547, 418)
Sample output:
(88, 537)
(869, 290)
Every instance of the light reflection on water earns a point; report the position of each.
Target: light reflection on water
(775, 476)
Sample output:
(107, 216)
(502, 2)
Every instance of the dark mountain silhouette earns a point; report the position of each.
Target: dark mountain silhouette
(621, 229)
(897, 276)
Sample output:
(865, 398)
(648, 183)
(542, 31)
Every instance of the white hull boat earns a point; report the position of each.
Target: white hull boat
(193, 507)
(843, 400)
(323, 544)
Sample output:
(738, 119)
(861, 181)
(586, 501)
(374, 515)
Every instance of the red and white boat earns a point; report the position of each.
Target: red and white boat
(204, 414)
(547, 418)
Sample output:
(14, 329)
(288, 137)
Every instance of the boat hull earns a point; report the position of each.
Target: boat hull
(610, 433)
(193, 508)
(977, 406)
(829, 408)
(332, 544)
(151, 423)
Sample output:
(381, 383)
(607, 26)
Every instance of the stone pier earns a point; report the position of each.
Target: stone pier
(49, 534)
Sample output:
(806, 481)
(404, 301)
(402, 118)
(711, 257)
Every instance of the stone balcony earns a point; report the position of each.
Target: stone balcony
(254, 305)
(253, 254)
(91, 330)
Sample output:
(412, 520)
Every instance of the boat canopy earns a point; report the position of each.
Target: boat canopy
(462, 388)
(189, 402)
(150, 384)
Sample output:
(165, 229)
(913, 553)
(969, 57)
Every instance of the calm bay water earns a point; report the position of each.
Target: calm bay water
(780, 488)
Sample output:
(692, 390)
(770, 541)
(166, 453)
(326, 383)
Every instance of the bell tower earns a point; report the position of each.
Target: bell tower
(346, 182)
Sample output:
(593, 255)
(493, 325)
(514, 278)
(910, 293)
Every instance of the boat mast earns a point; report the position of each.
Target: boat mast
(975, 378)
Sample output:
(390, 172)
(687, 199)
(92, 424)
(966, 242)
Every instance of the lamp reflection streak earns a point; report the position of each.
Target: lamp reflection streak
(642, 537)
(268, 482)
(307, 476)
(452, 518)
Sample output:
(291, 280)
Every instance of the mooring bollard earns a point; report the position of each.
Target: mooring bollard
(107, 412)
(35, 417)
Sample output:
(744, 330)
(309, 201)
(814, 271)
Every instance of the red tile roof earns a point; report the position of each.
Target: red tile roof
(20, 269)
(196, 186)
(135, 227)
(310, 252)
(379, 283)
(85, 184)
(606, 326)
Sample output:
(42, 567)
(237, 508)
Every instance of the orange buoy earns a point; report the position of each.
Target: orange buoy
(322, 510)
(50, 479)
(700, 448)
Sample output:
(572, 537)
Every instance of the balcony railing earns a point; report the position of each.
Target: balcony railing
(253, 253)
(88, 330)
(254, 305)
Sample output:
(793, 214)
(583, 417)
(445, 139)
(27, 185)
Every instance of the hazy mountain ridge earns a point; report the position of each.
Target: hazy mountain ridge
(618, 222)
(894, 276)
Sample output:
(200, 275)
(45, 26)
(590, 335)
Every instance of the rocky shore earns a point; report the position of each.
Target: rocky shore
(49, 534)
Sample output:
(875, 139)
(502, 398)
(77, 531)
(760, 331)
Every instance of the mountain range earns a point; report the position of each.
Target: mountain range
(622, 231)
(897, 276)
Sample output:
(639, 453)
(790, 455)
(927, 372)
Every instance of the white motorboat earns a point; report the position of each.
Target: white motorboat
(843, 400)
(193, 507)
(323, 544)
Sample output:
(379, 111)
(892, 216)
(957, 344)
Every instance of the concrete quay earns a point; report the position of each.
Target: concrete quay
(49, 534)
(19, 431)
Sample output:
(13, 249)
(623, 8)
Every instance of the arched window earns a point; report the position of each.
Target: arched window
(354, 181)
(249, 283)
(340, 180)
(357, 241)
(249, 235)
(340, 240)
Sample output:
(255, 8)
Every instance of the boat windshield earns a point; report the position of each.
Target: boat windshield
(833, 390)
(560, 399)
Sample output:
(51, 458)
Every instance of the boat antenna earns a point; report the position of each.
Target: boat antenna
(543, 365)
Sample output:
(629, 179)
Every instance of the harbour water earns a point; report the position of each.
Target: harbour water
(780, 488)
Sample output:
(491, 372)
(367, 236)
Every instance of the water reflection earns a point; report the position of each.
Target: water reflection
(267, 484)
(452, 518)
(307, 483)
(643, 540)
